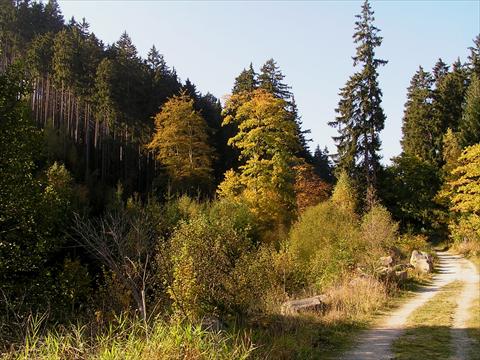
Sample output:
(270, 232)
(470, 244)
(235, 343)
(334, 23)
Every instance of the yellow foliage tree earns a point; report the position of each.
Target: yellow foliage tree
(267, 140)
(181, 144)
(464, 190)
(344, 194)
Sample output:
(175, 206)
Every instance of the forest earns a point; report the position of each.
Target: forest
(143, 219)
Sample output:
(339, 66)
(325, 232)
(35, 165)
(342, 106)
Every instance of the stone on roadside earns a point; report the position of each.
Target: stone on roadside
(212, 323)
(421, 261)
(315, 303)
(387, 261)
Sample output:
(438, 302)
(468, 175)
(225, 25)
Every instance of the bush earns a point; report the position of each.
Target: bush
(330, 241)
(323, 244)
(205, 254)
(239, 215)
(379, 234)
(406, 243)
(466, 234)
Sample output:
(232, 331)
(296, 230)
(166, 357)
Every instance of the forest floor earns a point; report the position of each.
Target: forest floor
(382, 341)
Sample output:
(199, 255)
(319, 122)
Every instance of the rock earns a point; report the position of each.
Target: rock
(385, 273)
(316, 303)
(212, 323)
(421, 261)
(387, 261)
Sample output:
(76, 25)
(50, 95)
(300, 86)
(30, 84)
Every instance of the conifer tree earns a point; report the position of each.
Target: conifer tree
(360, 115)
(322, 164)
(474, 57)
(271, 80)
(440, 70)
(156, 62)
(181, 145)
(469, 127)
(420, 131)
(246, 81)
(125, 47)
(448, 98)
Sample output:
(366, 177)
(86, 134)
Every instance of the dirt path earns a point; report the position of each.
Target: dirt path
(469, 293)
(376, 343)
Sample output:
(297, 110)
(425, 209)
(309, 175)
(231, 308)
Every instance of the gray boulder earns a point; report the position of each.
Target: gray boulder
(212, 323)
(421, 261)
(315, 303)
(387, 261)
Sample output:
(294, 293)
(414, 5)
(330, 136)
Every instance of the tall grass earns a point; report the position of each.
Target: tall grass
(128, 338)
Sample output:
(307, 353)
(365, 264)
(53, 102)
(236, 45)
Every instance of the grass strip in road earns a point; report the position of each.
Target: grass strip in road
(428, 328)
(474, 329)
(474, 321)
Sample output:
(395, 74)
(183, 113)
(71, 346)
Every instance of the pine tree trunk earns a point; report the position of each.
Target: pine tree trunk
(47, 100)
(87, 141)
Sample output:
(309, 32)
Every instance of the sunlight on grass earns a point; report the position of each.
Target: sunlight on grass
(428, 328)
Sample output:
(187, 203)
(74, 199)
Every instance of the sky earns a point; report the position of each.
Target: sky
(210, 42)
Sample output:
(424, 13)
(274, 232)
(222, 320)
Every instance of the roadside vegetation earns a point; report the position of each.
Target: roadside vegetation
(142, 219)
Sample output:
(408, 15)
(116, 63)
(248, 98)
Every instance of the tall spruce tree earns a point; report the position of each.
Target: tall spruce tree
(322, 164)
(469, 127)
(360, 115)
(246, 81)
(448, 97)
(420, 131)
(271, 80)
(474, 57)
(440, 70)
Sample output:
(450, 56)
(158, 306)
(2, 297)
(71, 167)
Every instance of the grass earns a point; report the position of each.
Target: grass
(473, 329)
(353, 308)
(129, 339)
(428, 333)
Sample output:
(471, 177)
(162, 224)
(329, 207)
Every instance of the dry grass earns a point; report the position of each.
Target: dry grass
(352, 307)
(357, 299)
(467, 248)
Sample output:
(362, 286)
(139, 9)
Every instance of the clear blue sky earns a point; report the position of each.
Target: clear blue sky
(211, 42)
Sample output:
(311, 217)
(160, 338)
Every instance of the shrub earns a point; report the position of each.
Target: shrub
(239, 215)
(379, 234)
(323, 243)
(406, 243)
(466, 234)
(344, 194)
(205, 254)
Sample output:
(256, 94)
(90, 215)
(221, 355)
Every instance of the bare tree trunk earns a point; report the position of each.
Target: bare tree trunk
(87, 141)
(47, 100)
